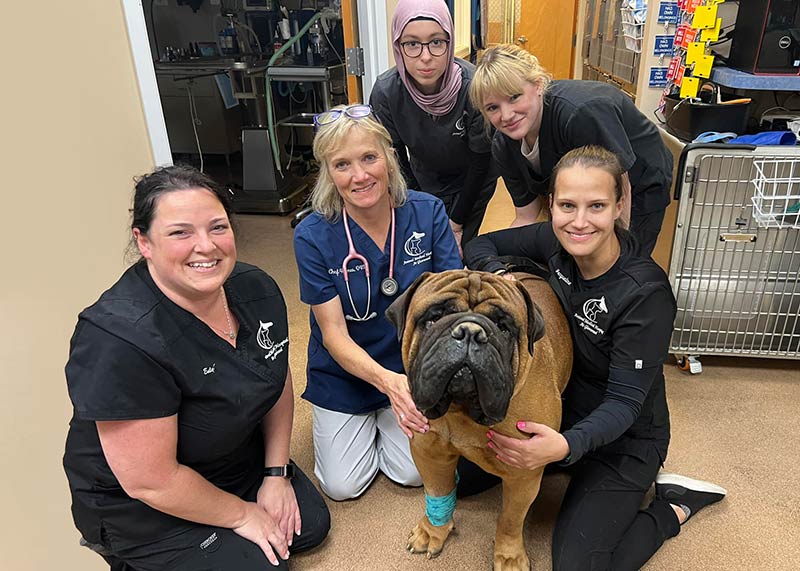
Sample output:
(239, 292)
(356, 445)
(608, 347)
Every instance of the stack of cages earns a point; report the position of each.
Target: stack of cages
(735, 267)
(606, 50)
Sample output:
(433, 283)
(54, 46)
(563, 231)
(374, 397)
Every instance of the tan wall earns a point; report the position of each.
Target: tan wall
(73, 135)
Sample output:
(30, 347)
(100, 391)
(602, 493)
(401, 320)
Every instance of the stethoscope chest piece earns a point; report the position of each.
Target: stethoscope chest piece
(389, 287)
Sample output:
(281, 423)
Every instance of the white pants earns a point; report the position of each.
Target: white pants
(349, 449)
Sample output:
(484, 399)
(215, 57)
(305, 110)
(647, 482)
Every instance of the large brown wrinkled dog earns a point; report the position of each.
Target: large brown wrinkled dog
(481, 351)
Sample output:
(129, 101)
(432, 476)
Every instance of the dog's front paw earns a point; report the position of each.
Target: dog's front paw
(511, 559)
(428, 538)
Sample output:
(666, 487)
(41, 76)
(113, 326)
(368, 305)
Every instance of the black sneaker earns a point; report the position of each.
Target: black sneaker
(689, 494)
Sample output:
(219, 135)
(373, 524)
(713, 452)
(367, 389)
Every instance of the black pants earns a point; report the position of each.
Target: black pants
(206, 548)
(646, 228)
(600, 525)
(475, 213)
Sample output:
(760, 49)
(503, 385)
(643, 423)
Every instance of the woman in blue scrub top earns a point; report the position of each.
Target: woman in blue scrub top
(367, 241)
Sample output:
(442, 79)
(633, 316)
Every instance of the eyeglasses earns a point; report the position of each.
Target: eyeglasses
(436, 48)
(357, 111)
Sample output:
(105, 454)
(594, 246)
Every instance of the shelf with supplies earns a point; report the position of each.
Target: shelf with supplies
(728, 77)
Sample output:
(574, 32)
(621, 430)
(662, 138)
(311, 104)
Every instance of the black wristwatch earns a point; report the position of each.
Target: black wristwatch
(285, 471)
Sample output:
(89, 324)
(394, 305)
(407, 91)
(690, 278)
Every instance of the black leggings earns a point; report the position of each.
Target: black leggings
(206, 548)
(600, 525)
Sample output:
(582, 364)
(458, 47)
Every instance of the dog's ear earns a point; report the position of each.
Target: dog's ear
(396, 312)
(535, 319)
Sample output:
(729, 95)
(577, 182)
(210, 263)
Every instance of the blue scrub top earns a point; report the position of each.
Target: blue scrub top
(423, 243)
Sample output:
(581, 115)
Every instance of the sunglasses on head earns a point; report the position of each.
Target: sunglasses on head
(357, 111)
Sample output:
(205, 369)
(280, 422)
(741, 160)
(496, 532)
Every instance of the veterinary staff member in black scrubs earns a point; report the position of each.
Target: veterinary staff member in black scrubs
(423, 102)
(539, 121)
(178, 450)
(615, 428)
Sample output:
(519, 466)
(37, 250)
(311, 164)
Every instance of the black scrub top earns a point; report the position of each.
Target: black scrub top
(137, 355)
(578, 113)
(621, 320)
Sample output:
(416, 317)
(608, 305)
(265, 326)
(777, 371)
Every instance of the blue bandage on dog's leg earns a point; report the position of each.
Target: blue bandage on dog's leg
(440, 509)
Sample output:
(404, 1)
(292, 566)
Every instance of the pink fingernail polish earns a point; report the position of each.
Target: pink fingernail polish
(521, 425)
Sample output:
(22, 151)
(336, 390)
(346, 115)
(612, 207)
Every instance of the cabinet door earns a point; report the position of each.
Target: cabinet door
(595, 32)
(608, 28)
(625, 61)
(586, 43)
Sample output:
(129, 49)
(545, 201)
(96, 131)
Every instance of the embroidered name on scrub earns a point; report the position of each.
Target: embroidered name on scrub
(277, 349)
(338, 271)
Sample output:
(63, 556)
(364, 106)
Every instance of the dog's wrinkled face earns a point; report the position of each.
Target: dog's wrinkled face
(465, 336)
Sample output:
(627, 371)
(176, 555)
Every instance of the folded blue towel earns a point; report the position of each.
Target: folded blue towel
(766, 138)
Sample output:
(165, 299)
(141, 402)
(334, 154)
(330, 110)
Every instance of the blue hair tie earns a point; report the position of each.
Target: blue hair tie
(440, 509)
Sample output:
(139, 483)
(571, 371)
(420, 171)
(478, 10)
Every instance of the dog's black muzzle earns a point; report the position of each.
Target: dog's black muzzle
(465, 359)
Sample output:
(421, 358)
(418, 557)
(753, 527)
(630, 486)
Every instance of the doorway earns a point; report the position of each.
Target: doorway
(231, 87)
(546, 28)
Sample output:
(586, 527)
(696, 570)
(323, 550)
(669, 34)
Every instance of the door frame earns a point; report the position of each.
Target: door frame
(146, 78)
(373, 40)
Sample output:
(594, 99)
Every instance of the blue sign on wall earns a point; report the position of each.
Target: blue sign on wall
(658, 77)
(668, 13)
(664, 45)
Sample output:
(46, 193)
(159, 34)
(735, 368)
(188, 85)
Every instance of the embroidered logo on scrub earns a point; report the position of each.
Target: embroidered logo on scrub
(412, 244)
(413, 247)
(460, 125)
(591, 309)
(262, 337)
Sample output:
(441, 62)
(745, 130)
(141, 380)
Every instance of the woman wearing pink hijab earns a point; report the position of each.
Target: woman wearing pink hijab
(423, 102)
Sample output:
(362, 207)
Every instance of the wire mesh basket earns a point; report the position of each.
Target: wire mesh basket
(776, 199)
(636, 16)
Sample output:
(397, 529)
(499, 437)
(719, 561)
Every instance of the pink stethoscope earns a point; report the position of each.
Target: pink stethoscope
(389, 285)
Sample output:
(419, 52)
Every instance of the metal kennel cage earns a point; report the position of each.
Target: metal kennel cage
(736, 255)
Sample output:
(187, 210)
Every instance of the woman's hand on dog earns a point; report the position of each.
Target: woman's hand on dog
(410, 419)
(543, 447)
